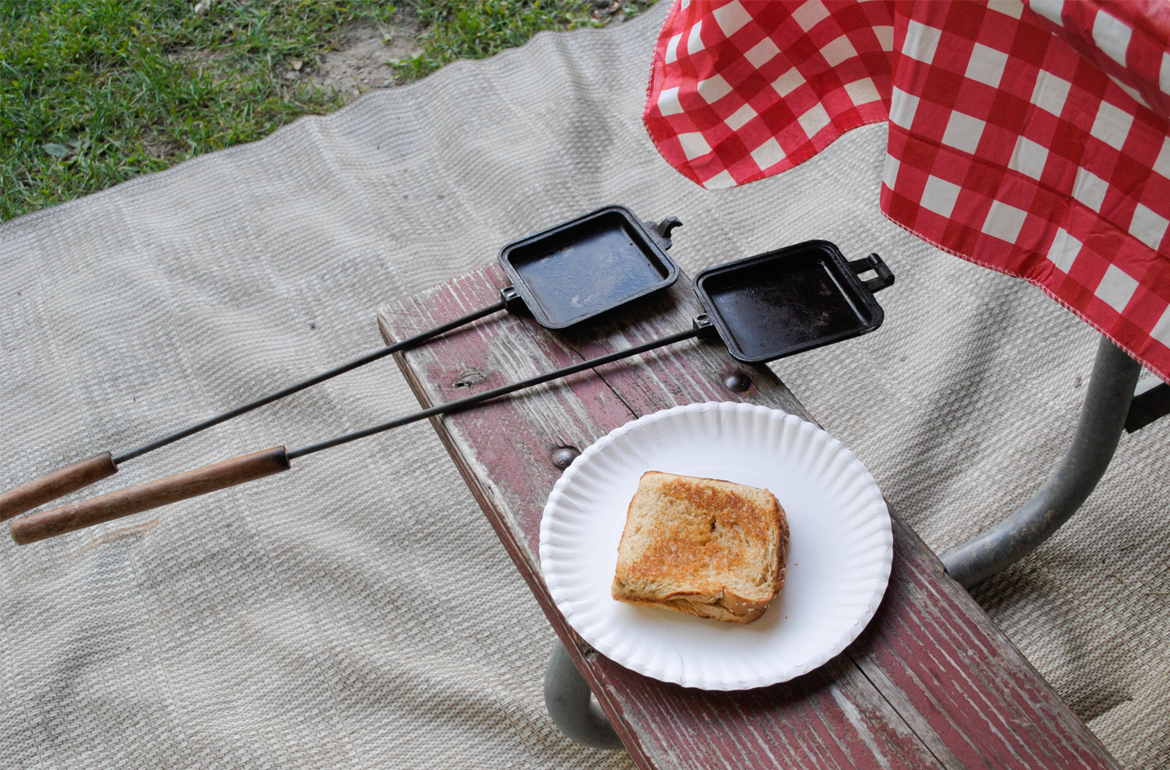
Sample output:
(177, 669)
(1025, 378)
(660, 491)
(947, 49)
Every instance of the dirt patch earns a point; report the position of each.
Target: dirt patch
(161, 146)
(197, 56)
(362, 60)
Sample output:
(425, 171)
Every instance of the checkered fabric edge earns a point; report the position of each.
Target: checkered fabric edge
(1010, 148)
(1008, 145)
(737, 95)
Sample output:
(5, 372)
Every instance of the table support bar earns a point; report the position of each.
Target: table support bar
(569, 703)
(1102, 418)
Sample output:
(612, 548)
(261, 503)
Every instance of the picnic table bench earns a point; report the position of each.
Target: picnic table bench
(931, 682)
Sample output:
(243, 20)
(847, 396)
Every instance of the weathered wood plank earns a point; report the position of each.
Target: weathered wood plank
(958, 681)
(931, 683)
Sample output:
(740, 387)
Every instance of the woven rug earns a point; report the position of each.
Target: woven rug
(359, 612)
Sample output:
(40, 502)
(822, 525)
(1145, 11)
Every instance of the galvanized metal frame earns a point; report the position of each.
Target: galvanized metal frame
(571, 705)
(1102, 419)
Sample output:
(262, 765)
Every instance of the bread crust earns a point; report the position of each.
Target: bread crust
(706, 547)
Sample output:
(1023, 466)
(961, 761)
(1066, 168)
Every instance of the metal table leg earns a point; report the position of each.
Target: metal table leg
(1102, 419)
(569, 703)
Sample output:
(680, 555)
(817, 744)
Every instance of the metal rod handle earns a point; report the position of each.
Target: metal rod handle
(463, 403)
(80, 475)
(153, 494)
(381, 353)
(210, 478)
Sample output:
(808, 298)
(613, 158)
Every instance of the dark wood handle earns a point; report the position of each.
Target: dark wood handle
(57, 484)
(153, 494)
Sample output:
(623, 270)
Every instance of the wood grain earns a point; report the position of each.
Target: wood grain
(153, 494)
(930, 683)
(56, 484)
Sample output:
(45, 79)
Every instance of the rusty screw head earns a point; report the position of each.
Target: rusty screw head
(737, 382)
(563, 457)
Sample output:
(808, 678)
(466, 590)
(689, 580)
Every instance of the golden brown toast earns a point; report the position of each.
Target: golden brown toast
(702, 546)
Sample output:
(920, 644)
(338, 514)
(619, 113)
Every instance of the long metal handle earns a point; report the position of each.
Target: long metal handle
(153, 494)
(80, 475)
(210, 478)
(464, 403)
(382, 353)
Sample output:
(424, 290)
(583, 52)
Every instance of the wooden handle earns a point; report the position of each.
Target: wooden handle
(153, 494)
(57, 484)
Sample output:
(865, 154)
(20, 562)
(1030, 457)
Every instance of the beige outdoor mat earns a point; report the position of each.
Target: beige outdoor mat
(359, 611)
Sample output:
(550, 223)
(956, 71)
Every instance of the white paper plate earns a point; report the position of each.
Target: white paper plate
(838, 562)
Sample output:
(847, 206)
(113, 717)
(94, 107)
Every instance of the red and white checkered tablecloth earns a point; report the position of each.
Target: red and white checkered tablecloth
(1032, 139)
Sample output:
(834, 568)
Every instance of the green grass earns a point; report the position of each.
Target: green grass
(476, 30)
(94, 92)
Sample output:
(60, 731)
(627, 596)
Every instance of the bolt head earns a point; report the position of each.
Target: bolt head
(737, 382)
(562, 457)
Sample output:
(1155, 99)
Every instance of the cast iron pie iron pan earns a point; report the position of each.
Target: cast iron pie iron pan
(791, 300)
(763, 308)
(564, 275)
(580, 269)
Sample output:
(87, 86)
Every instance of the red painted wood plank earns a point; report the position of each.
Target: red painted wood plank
(974, 691)
(931, 683)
